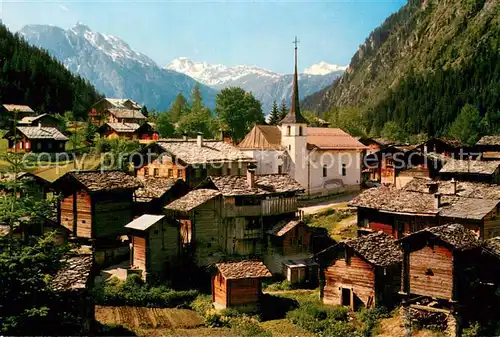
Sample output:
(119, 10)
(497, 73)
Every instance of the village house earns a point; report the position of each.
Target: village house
(73, 284)
(30, 184)
(7, 112)
(488, 147)
(398, 212)
(191, 160)
(238, 284)
(289, 252)
(43, 120)
(131, 131)
(154, 246)
(322, 160)
(364, 272)
(36, 139)
(471, 170)
(468, 189)
(100, 111)
(155, 193)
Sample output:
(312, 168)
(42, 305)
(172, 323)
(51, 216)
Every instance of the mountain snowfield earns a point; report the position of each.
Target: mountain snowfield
(266, 85)
(112, 66)
(116, 70)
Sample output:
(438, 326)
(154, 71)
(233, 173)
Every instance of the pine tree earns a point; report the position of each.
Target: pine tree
(274, 116)
(283, 110)
(196, 99)
(144, 110)
(179, 107)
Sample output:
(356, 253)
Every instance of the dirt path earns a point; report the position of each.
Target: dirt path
(333, 203)
(392, 327)
(141, 317)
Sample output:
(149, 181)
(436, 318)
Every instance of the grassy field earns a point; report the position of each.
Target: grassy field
(52, 173)
(340, 225)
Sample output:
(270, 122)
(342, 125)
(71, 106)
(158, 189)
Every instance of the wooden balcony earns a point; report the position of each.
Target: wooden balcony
(272, 206)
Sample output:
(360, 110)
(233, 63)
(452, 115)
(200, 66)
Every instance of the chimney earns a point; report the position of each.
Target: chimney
(454, 185)
(251, 176)
(433, 187)
(185, 137)
(39, 125)
(437, 200)
(199, 139)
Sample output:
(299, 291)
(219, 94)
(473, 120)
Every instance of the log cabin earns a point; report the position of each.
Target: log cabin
(191, 160)
(99, 114)
(43, 120)
(96, 204)
(73, 284)
(131, 131)
(156, 193)
(361, 273)
(398, 212)
(154, 246)
(7, 112)
(289, 252)
(440, 263)
(36, 139)
(238, 284)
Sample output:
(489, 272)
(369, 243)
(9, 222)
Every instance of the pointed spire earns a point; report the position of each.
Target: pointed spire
(294, 115)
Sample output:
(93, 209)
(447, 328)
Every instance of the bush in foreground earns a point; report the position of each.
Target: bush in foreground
(318, 318)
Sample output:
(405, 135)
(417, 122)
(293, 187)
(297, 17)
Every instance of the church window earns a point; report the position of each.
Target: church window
(288, 130)
(300, 131)
(324, 171)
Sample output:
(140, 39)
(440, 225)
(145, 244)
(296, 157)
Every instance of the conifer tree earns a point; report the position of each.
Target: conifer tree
(283, 110)
(179, 107)
(274, 116)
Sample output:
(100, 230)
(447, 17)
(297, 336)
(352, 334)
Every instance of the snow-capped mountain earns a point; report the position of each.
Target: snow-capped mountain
(323, 68)
(266, 85)
(112, 66)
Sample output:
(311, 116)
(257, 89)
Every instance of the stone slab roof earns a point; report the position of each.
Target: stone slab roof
(153, 188)
(126, 113)
(143, 222)
(243, 269)
(489, 140)
(469, 208)
(493, 245)
(463, 188)
(192, 200)
(13, 107)
(75, 275)
(455, 235)
(264, 184)
(96, 181)
(31, 120)
(124, 127)
(120, 102)
(470, 167)
(41, 132)
(283, 227)
(210, 152)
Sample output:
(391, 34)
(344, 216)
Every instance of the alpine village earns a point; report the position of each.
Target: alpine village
(370, 208)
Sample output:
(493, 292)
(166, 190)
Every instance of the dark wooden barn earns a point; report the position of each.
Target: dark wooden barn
(361, 273)
(238, 284)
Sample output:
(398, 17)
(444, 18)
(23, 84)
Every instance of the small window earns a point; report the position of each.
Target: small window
(280, 169)
(146, 171)
(39, 146)
(324, 171)
(344, 170)
(156, 172)
(61, 145)
(170, 173)
(288, 130)
(179, 173)
(21, 145)
(228, 171)
(83, 221)
(197, 173)
(290, 147)
(348, 255)
(49, 145)
(300, 130)
(429, 272)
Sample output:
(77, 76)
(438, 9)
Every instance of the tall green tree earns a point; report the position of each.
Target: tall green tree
(467, 126)
(198, 118)
(274, 115)
(164, 125)
(144, 110)
(283, 110)
(180, 106)
(238, 110)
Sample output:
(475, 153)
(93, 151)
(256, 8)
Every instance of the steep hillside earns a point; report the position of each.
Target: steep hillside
(422, 65)
(30, 76)
(113, 66)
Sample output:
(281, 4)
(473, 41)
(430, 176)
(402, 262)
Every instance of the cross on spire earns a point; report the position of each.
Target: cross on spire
(296, 42)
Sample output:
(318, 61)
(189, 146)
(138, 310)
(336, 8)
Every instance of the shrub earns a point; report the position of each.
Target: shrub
(216, 319)
(471, 331)
(279, 286)
(340, 329)
(370, 318)
(202, 304)
(248, 327)
(317, 318)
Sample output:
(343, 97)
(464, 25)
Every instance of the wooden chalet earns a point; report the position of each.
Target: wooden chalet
(131, 116)
(36, 139)
(289, 252)
(192, 160)
(100, 114)
(43, 120)
(73, 284)
(96, 204)
(156, 193)
(132, 131)
(398, 212)
(154, 246)
(361, 273)
(471, 170)
(238, 284)
(7, 112)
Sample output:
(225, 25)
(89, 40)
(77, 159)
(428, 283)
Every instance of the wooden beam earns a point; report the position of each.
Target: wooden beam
(426, 308)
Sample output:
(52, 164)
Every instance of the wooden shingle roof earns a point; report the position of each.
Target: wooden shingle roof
(243, 269)
(470, 167)
(126, 113)
(469, 208)
(332, 139)
(264, 184)
(455, 235)
(489, 140)
(463, 188)
(96, 181)
(192, 200)
(41, 132)
(123, 127)
(262, 137)
(154, 187)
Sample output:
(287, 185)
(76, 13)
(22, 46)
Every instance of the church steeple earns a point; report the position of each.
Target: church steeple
(294, 116)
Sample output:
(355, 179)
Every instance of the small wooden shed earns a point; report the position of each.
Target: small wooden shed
(238, 284)
(154, 246)
(362, 272)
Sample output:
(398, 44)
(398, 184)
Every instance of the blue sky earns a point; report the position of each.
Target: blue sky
(229, 32)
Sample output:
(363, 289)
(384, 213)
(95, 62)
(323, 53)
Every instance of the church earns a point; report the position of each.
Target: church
(323, 160)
